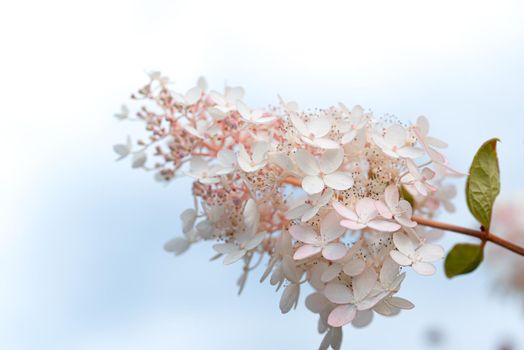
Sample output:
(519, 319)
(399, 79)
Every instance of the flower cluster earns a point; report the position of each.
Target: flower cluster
(322, 196)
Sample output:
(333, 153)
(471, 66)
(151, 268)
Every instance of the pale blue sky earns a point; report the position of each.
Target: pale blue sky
(81, 259)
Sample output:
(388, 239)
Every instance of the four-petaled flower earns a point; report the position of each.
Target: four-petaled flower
(396, 208)
(330, 231)
(323, 172)
(419, 179)
(258, 158)
(310, 207)
(315, 131)
(419, 257)
(395, 143)
(365, 215)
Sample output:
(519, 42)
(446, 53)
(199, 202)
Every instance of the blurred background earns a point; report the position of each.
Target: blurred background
(81, 259)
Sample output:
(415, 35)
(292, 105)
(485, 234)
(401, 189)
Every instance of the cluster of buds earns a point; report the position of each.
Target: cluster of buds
(327, 195)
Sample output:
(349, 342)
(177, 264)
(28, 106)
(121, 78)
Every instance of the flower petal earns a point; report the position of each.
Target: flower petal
(424, 268)
(331, 160)
(430, 252)
(384, 226)
(403, 243)
(306, 251)
(306, 162)
(338, 293)
(354, 267)
(330, 228)
(400, 258)
(338, 180)
(342, 315)
(344, 211)
(304, 234)
(352, 225)
(364, 283)
(312, 184)
(234, 256)
(334, 251)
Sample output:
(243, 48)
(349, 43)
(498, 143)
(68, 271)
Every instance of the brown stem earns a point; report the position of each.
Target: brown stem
(482, 235)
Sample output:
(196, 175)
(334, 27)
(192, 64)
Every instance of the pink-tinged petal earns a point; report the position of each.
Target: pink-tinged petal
(345, 212)
(401, 303)
(352, 225)
(404, 244)
(330, 228)
(334, 251)
(338, 180)
(424, 268)
(391, 196)
(342, 315)
(355, 267)
(306, 162)
(395, 135)
(400, 258)
(384, 226)
(383, 210)
(338, 293)
(364, 283)
(366, 209)
(430, 252)
(410, 152)
(331, 272)
(234, 256)
(331, 160)
(427, 174)
(436, 156)
(312, 184)
(306, 251)
(304, 234)
(362, 319)
(371, 300)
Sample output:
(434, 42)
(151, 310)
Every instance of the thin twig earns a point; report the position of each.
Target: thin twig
(482, 235)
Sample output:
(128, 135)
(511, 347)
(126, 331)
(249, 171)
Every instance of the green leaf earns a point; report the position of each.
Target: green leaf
(463, 258)
(483, 184)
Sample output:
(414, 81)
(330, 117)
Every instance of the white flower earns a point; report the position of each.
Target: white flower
(330, 231)
(228, 101)
(419, 179)
(315, 131)
(256, 116)
(257, 160)
(203, 129)
(323, 172)
(191, 97)
(353, 124)
(429, 143)
(395, 144)
(396, 208)
(201, 170)
(234, 252)
(420, 258)
(364, 215)
(362, 296)
(310, 207)
(227, 162)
